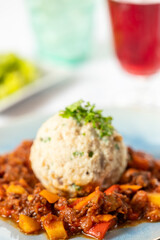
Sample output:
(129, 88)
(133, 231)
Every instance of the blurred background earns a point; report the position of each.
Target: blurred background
(55, 52)
(16, 24)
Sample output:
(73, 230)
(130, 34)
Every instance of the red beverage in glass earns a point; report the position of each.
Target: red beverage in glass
(136, 31)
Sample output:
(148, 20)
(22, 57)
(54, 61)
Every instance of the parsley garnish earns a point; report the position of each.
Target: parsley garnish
(77, 188)
(85, 113)
(47, 139)
(90, 154)
(78, 154)
(117, 146)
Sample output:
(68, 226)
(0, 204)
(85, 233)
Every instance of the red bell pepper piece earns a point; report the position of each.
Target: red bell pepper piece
(99, 230)
(113, 188)
(74, 203)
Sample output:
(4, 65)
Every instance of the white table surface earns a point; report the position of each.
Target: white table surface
(100, 80)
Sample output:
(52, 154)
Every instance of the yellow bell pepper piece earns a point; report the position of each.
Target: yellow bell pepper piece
(94, 196)
(154, 198)
(28, 224)
(128, 186)
(55, 230)
(105, 218)
(50, 197)
(17, 189)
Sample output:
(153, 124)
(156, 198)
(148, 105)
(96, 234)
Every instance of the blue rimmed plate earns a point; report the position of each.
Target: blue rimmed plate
(140, 129)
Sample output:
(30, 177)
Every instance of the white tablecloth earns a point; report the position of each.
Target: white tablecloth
(100, 81)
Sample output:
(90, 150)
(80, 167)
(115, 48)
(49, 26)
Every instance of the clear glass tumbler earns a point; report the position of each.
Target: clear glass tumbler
(62, 28)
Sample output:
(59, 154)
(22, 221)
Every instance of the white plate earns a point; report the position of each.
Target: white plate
(50, 76)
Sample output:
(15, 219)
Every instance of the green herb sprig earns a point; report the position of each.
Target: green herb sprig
(85, 113)
(117, 146)
(47, 139)
(76, 187)
(78, 154)
(90, 154)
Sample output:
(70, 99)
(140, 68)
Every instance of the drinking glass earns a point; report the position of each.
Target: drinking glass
(136, 34)
(62, 29)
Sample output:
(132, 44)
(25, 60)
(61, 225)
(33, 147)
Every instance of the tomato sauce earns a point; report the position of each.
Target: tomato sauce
(135, 198)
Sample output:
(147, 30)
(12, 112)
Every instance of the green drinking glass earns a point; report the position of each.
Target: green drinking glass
(63, 29)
